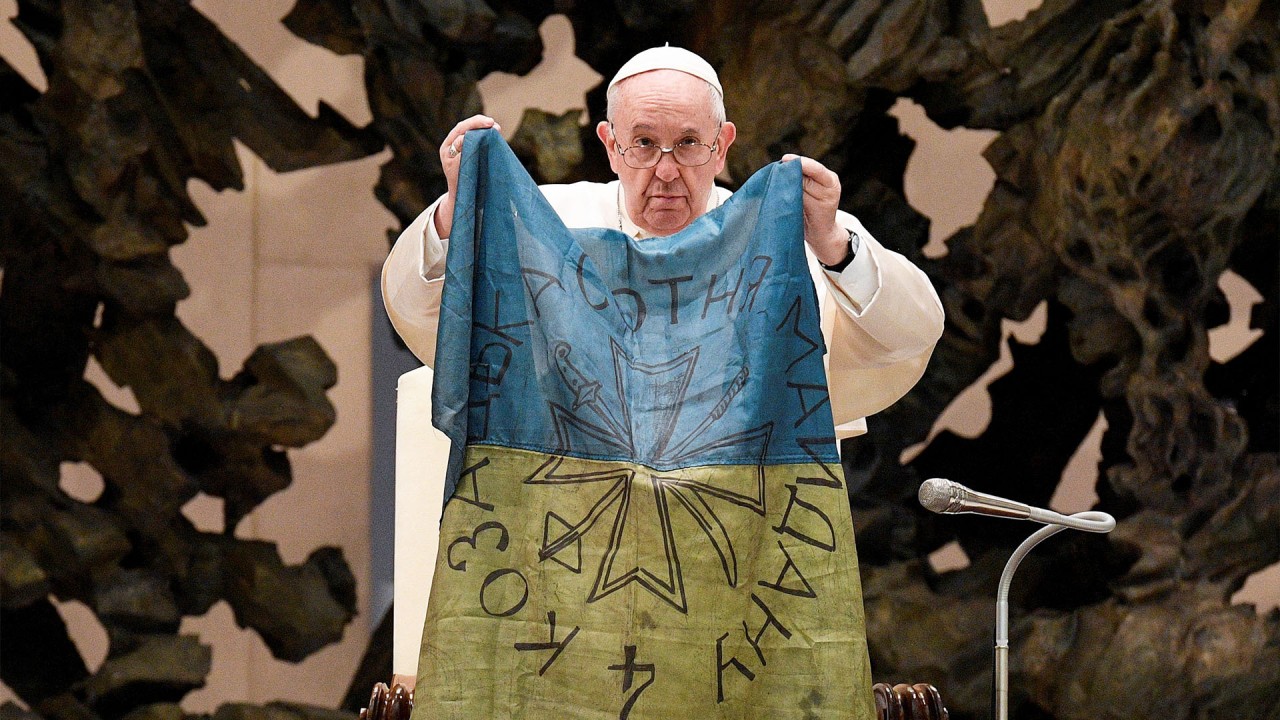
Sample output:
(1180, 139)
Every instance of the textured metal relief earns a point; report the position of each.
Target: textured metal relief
(143, 97)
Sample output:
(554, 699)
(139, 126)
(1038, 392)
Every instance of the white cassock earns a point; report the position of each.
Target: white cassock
(881, 318)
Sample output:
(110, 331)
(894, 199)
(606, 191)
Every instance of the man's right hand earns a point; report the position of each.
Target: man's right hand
(451, 161)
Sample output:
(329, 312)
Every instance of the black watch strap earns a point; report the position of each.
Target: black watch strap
(848, 257)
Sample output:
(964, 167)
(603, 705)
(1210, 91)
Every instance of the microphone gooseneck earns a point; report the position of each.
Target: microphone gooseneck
(947, 497)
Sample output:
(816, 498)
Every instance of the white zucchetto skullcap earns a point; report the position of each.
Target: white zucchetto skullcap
(668, 58)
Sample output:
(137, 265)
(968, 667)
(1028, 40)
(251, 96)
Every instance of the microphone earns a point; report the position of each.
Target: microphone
(949, 498)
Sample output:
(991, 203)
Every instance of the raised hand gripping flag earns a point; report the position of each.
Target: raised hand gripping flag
(646, 516)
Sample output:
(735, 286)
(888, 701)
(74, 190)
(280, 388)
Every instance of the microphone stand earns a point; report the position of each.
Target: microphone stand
(1089, 521)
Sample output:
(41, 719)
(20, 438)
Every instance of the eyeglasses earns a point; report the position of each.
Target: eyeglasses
(646, 154)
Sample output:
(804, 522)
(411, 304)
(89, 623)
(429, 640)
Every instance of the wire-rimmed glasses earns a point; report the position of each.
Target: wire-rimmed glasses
(688, 152)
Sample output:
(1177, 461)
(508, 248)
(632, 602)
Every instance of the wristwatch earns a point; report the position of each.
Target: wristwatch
(848, 256)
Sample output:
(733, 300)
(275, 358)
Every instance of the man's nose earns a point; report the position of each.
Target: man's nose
(667, 169)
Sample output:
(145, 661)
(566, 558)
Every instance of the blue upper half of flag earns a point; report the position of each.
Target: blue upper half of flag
(700, 348)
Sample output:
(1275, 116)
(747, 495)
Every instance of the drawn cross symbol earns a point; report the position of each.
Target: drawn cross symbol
(637, 496)
(629, 668)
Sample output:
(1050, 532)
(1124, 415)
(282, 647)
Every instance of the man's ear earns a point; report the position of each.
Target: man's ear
(728, 132)
(610, 147)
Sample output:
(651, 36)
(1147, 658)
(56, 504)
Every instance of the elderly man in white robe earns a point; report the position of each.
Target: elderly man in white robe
(667, 138)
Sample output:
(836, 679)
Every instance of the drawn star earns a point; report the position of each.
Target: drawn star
(646, 434)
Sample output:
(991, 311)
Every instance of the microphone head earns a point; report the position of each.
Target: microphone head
(936, 494)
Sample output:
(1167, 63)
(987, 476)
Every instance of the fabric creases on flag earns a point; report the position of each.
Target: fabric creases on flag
(646, 515)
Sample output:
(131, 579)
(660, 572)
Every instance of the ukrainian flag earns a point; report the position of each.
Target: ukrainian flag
(646, 516)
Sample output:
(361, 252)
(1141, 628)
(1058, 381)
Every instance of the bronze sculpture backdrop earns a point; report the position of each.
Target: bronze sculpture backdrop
(1137, 162)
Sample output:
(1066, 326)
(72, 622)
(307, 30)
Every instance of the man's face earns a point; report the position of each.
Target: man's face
(665, 107)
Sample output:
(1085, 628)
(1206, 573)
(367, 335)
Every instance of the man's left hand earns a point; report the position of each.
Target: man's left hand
(829, 241)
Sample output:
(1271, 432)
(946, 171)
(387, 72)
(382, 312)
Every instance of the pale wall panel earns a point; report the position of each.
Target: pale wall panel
(324, 216)
(328, 503)
(217, 262)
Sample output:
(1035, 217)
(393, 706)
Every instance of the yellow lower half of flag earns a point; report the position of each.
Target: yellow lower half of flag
(569, 588)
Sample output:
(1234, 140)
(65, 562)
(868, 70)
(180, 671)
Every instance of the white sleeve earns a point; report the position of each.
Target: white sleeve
(881, 319)
(861, 277)
(412, 280)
